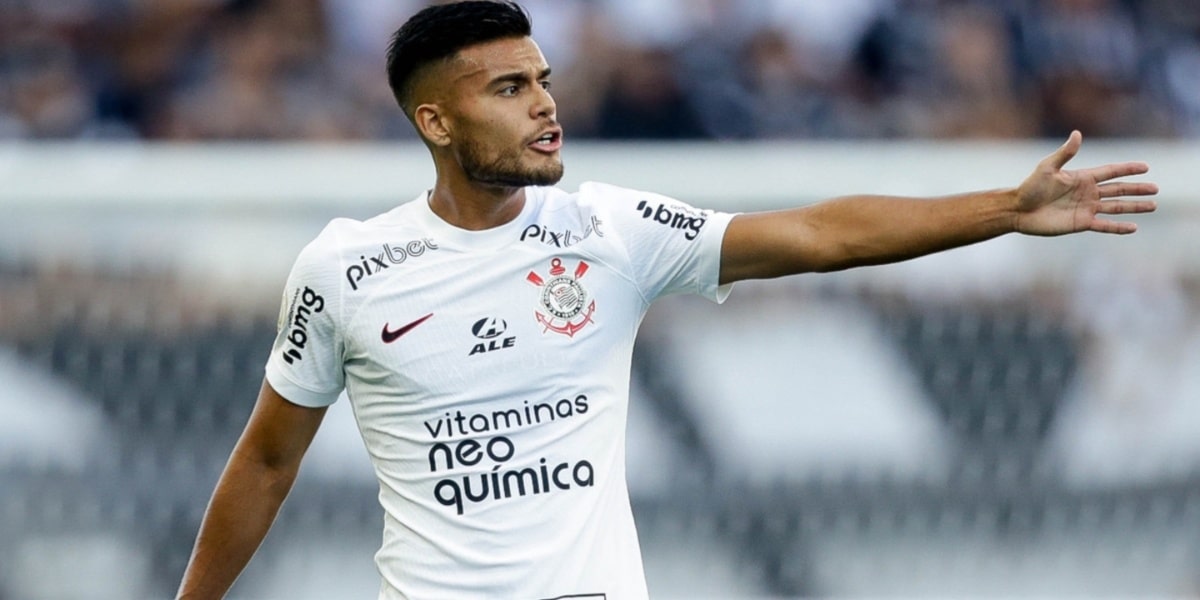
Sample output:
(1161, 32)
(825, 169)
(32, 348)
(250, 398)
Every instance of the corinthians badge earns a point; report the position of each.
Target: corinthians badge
(564, 305)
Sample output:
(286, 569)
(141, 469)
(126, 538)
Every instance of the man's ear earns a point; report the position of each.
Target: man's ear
(431, 124)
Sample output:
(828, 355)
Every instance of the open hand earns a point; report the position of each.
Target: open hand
(1055, 201)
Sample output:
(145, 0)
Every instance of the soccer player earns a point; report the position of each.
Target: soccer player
(484, 330)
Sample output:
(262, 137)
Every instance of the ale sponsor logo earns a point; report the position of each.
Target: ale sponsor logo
(490, 332)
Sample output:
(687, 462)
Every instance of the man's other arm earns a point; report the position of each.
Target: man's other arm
(248, 495)
(869, 230)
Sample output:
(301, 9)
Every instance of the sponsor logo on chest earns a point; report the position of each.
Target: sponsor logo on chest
(564, 238)
(489, 331)
(390, 255)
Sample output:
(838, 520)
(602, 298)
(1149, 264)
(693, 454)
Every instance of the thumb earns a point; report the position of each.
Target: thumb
(1067, 151)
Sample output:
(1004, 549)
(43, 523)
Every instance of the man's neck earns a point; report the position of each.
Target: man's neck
(474, 207)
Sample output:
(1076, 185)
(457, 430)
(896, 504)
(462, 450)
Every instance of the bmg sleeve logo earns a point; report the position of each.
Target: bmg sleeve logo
(305, 303)
(684, 218)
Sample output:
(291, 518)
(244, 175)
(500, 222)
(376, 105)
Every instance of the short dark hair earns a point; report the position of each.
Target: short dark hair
(440, 31)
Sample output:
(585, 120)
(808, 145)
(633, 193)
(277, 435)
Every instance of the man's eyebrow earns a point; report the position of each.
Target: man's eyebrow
(518, 76)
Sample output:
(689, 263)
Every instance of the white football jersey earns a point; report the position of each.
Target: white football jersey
(489, 376)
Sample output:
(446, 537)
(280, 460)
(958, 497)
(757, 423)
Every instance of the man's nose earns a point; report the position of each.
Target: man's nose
(544, 106)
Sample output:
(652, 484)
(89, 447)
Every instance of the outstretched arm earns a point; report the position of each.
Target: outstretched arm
(868, 230)
(255, 482)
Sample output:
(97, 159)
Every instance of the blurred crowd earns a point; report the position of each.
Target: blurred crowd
(624, 69)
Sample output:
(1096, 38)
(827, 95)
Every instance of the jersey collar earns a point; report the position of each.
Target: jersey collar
(486, 239)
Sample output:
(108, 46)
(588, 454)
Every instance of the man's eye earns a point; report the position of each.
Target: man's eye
(509, 90)
(546, 85)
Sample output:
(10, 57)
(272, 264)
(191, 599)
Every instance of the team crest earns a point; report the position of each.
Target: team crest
(564, 305)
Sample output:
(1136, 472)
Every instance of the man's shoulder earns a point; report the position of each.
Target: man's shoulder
(329, 242)
(344, 239)
(598, 190)
(622, 204)
(594, 197)
(342, 231)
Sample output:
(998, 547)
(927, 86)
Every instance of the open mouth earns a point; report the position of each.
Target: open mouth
(548, 142)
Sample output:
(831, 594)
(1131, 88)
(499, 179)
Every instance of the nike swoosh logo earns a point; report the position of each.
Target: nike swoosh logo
(391, 336)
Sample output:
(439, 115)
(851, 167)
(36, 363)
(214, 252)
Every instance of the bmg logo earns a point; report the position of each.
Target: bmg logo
(305, 303)
(679, 218)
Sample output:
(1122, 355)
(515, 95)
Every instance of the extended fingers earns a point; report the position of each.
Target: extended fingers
(1118, 227)
(1119, 207)
(1127, 188)
(1106, 172)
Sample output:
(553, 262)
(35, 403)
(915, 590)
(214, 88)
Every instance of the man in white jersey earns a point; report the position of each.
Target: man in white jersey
(483, 331)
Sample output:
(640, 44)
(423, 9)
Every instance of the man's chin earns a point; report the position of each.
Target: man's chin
(549, 179)
(539, 178)
(547, 175)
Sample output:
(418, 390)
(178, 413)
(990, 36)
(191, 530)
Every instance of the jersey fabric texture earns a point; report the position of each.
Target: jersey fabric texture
(489, 374)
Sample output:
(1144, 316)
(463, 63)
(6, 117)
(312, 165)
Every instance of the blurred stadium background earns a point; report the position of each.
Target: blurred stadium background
(1019, 418)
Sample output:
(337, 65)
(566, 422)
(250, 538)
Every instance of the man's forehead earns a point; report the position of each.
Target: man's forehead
(489, 59)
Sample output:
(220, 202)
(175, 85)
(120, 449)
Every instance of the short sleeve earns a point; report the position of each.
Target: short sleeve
(305, 365)
(672, 246)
